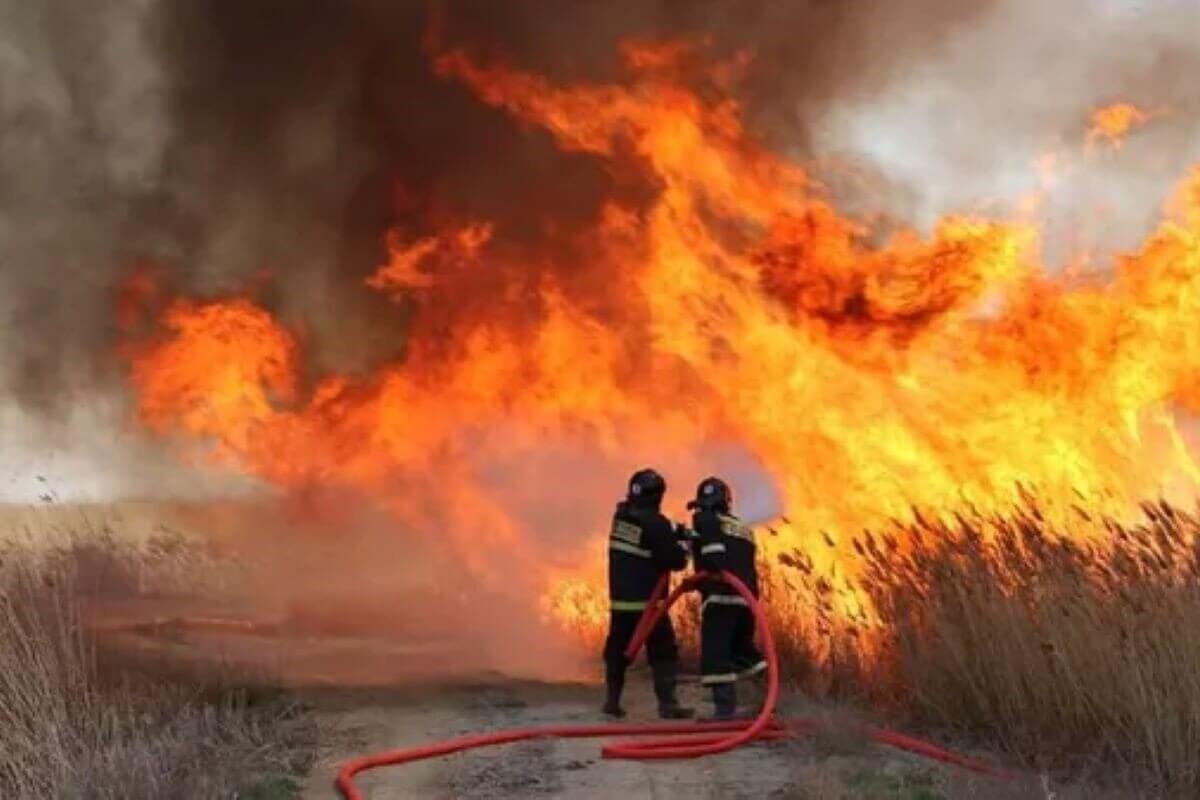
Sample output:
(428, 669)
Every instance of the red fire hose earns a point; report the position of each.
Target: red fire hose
(680, 739)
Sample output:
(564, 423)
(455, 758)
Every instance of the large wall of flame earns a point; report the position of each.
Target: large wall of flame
(713, 297)
(228, 139)
(277, 162)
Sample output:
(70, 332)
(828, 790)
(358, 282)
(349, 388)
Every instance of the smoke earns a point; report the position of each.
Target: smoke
(964, 123)
(83, 134)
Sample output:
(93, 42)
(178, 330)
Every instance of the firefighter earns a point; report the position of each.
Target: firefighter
(642, 547)
(727, 648)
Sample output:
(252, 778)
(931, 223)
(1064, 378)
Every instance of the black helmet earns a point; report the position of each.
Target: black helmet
(646, 488)
(713, 494)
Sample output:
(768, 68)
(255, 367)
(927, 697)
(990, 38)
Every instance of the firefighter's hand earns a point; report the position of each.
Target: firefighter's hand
(683, 533)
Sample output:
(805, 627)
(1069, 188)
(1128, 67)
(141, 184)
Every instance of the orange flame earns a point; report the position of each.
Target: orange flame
(735, 308)
(403, 270)
(1112, 124)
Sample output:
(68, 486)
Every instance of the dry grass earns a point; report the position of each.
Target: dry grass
(72, 726)
(1074, 653)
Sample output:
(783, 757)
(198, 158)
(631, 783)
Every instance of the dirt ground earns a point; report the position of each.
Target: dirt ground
(828, 767)
(404, 699)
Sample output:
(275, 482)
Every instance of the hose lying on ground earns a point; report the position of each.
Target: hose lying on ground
(680, 739)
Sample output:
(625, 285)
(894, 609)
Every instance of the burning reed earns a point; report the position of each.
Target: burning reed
(1066, 645)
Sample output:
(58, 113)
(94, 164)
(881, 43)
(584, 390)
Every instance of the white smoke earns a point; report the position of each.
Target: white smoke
(963, 125)
(93, 456)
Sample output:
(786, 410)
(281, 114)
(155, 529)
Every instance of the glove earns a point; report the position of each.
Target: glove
(684, 534)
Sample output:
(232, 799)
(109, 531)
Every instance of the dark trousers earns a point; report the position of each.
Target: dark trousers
(660, 646)
(727, 649)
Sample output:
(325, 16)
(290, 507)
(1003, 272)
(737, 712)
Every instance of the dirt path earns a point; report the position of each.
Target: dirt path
(836, 765)
(551, 768)
(372, 721)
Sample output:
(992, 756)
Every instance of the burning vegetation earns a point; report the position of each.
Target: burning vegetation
(726, 300)
(970, 456)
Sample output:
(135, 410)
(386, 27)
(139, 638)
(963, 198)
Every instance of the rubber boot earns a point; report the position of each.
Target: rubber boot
(724, 702)
(664, 690)
(758, 691)
(614, 684)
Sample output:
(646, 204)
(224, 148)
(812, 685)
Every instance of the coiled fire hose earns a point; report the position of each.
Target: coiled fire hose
(680, 739)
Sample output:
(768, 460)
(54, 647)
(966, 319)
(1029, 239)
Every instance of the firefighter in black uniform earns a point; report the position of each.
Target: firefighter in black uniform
(724, 542)
(642, 547)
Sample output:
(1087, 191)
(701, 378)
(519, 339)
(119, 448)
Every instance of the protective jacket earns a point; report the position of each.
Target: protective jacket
(641, 547)
(727, 626)
(724, 542)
